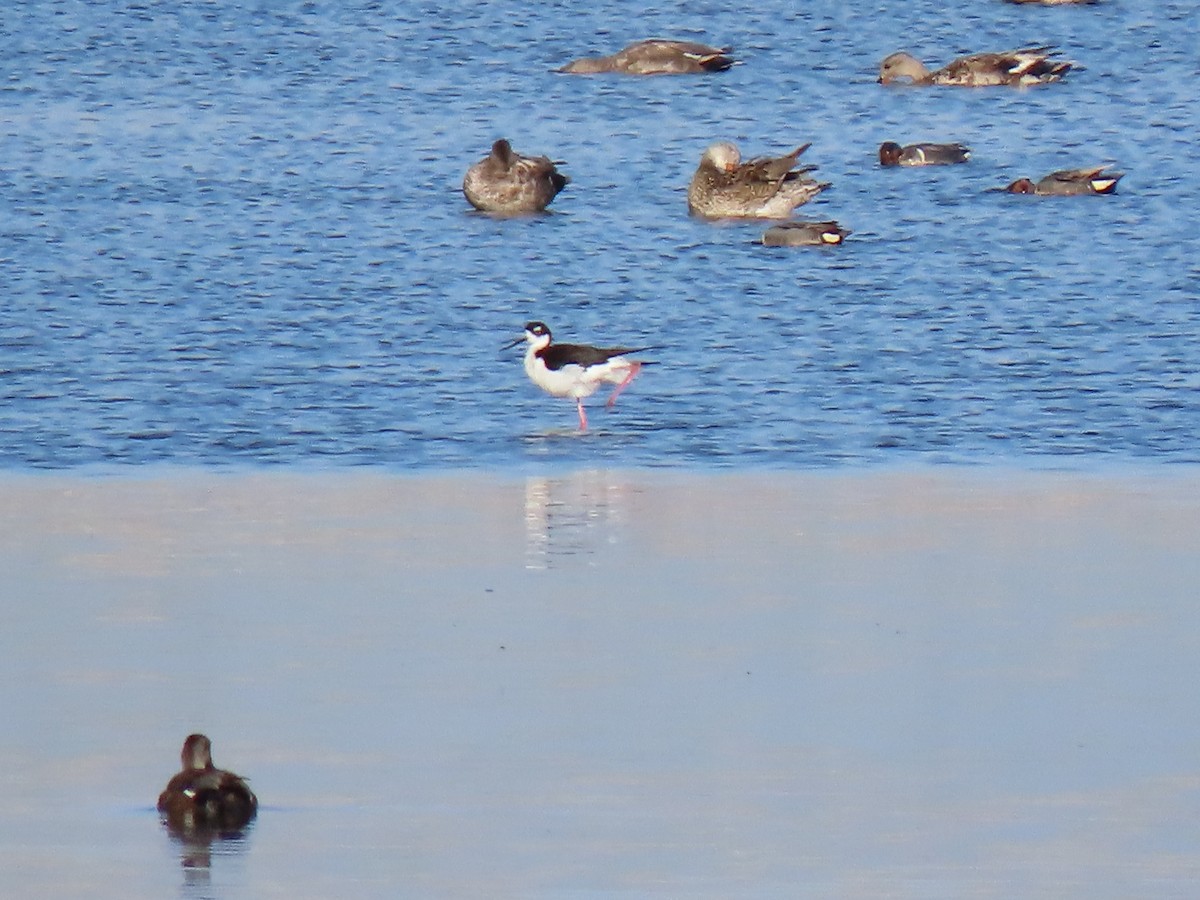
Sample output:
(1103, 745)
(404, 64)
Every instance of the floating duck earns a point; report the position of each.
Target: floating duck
(764, 188)
(202, 797)
(656, 57)
(892, 154)
(804, 234)
(506, 182)
(1070, 182)
(1031, 65)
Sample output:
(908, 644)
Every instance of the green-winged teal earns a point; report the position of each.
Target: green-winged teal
(1070, 182)
(804, 234)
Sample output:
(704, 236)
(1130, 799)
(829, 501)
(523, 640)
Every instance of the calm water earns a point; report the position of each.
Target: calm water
(781, 685)
(236, 236)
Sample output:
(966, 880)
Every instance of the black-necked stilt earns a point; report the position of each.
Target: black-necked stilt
(576, 370)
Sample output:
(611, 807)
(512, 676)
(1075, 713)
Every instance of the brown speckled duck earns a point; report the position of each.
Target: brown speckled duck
(202, 797)
(656, 57)
(1029, 66)
(892, 154)
(804, 234)
(1070, 182)
(506, 182)
(724, 187)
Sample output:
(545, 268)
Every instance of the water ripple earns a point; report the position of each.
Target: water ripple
(237, 237)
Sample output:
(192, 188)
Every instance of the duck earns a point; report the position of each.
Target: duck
(657, 56)
(506, 182)
(804, 234)
(724, 187)
(892, 154)
(1070, 182)
(1031, 65)
(202, 797)
(576, 370)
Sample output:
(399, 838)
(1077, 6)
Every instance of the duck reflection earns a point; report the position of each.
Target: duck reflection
(572, 516)
(197, 848)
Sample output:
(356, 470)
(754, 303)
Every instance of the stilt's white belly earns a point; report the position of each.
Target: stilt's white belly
(575, 381)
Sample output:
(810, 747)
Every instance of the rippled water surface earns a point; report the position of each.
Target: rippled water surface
(235, 235)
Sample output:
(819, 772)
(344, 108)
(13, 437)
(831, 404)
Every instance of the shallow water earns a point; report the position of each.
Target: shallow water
(905, 685)
(236, 236)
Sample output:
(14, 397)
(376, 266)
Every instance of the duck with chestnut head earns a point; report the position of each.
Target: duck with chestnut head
(1070, 183)
(656, 56)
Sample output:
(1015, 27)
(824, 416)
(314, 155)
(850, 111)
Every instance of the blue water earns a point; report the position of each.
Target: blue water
(235, 236)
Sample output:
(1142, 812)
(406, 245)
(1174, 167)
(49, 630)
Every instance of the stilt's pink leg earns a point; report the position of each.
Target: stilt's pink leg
(582, 414)
(634, 368)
